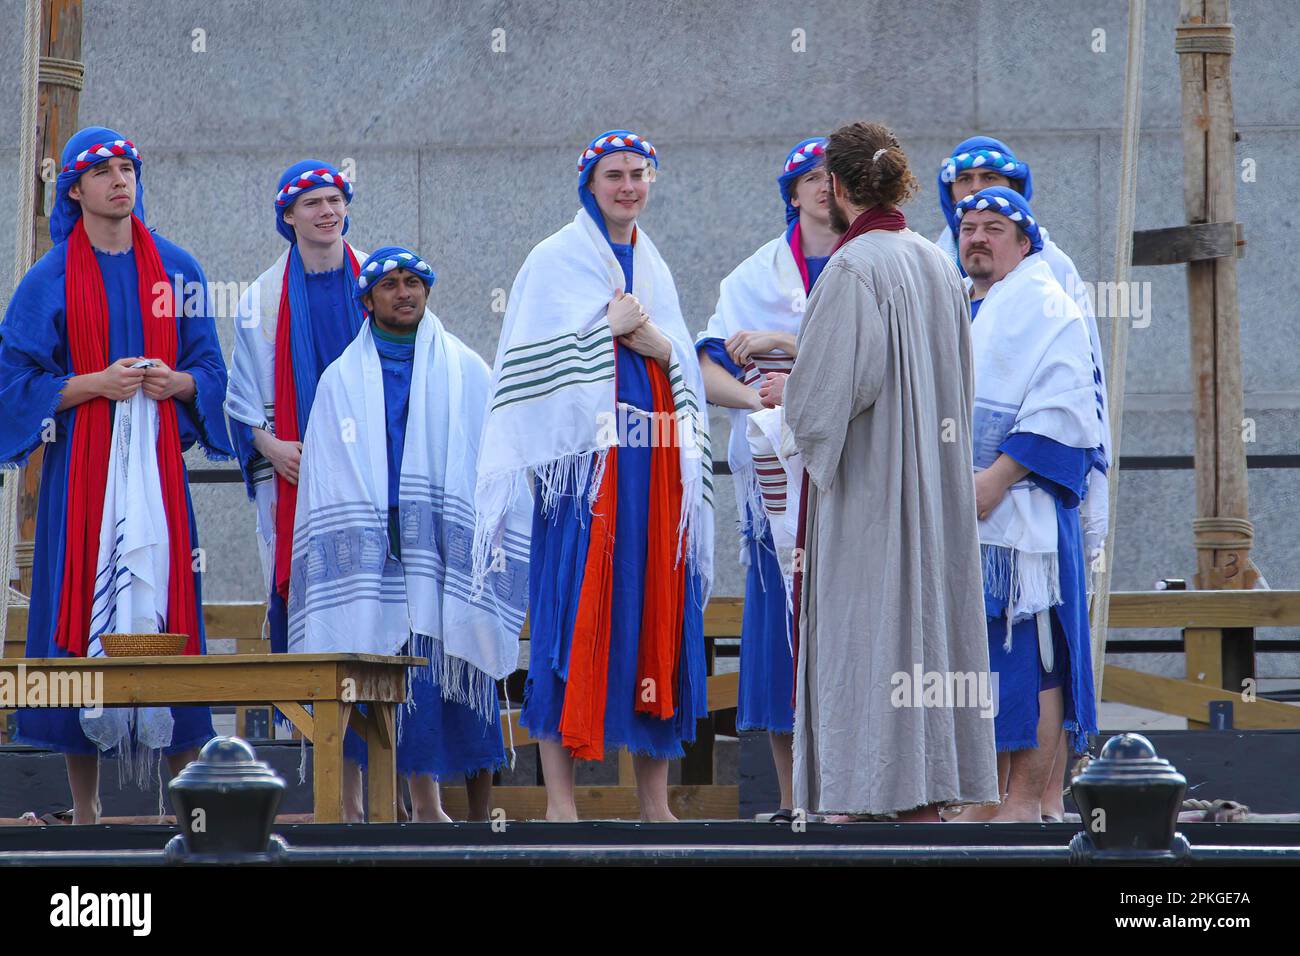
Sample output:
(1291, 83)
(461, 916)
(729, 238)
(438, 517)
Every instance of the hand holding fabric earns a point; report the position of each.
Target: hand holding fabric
(119, 382)
(284, 456)
(162, 382)
(625, 314)
(745, 345)
(772, 391)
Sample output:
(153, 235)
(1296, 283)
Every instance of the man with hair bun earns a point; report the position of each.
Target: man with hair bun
(891, 599)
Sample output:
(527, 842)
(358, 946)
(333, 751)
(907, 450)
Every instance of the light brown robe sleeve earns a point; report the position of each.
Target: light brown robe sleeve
(839, 368)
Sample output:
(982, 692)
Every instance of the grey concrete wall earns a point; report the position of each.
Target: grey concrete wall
(468, 154)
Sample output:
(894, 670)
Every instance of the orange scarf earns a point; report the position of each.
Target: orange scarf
(582, 721)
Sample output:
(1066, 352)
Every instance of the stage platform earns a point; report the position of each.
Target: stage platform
(617, 842)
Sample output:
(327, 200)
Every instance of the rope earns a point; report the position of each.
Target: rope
(56, 71)
(1222, 533)
(1119, 325)
(24, 241)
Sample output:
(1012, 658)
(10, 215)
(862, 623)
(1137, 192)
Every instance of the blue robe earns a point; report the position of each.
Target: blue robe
(559, 554)
(34, 367)
(1062, 471)
(765, 699)
(329, 303)
(435, 736)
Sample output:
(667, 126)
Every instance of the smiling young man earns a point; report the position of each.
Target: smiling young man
(79, 325)
(750, 339)
(623, 527)
(1036, 440)
(291, 324)
(385, 515)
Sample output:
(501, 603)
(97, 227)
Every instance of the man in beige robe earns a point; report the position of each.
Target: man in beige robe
(894, 704)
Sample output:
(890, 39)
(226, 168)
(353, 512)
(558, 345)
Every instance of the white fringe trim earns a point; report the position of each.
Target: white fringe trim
(1028, 582)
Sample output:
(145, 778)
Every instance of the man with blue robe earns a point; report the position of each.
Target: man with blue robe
(1036, 441)
(77, 326)
(597, 392)
(751, 338)
(385, 515)
(292, 322)
(978, 163)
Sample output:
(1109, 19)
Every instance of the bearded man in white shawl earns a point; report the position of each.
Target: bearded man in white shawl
(291, 323)
(750, 339)
(1036, 441)
(381, 545)
(597, 391)
(981, 162)
(878, 405)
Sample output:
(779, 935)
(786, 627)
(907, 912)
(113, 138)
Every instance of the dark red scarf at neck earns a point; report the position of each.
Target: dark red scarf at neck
(86, 310)
(877, 217)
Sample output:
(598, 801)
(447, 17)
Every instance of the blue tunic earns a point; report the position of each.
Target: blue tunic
(765, 698)
(559, 554)
(815, 266)
(329, 302)
(1062, 471)
(34, 367)
(435, 736)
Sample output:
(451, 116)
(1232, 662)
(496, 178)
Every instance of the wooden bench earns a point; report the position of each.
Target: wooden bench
(330, 683)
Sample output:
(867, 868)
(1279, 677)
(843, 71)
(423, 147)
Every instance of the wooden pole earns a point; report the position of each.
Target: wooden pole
(1222, 530)
(1117, 366)
(59, 93)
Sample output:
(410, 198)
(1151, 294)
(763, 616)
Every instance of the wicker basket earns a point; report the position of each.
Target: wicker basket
(143, 645)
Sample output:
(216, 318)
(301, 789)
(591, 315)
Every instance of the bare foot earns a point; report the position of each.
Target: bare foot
(1018, 813)
(926, 814)
(567, 815)
(662, 815)
(439, 816)
(978, 814)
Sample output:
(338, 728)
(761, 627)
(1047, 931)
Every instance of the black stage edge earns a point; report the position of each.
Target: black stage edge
(604, 843)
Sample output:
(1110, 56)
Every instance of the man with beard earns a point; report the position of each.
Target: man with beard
(1036, 441)
(878, 405)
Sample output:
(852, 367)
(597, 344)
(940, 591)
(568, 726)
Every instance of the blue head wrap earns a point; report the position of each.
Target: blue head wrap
(976, 152)
(611, 141)
(87, 148)
(301, 178)
(804, 158)
(385, 260)
(1008, 202)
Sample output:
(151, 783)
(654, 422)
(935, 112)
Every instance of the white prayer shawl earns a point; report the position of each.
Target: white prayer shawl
(347, 593)
(769, 437)
(553, 407)
(764, 293)
(1033, 373)
(250, 395)
(1094, 513)
(131, 575)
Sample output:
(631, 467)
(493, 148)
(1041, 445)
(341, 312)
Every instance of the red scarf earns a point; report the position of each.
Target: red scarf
(286, 429)
(86, 310)
(582, 721)
(877, 217)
